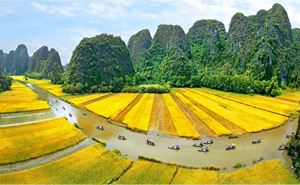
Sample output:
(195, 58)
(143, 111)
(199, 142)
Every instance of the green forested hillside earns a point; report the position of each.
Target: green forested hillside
(259, 54)
(45, 64)
(101, 61)
(16, 62)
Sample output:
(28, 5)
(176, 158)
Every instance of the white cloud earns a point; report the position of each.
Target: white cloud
(4, 11)
(106, 9)
(66, 10)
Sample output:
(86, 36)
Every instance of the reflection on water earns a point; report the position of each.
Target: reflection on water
(135, 145)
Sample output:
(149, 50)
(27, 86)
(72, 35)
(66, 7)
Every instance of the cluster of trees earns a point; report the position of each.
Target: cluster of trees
(294, 151)
(237, 83)
(5, 82)
(117, 85)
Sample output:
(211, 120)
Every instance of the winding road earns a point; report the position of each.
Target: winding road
(135, 145)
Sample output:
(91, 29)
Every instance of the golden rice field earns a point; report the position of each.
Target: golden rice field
(77, 100)
(218, 113)
(88, 166)
(139, 116)
(112, 105)
(268, 172)
(22, 142)
(221, 112)
(44, 84)
(146, 172)
(96, 165)
(20, 98)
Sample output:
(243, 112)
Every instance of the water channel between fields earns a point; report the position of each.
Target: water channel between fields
(135, 145)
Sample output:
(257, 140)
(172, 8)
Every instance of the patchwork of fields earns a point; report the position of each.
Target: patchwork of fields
(187, 112)
(22, 142)
(20, 98)
(193, 112)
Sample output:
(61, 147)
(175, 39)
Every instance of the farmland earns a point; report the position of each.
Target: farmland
(88, 166)
(44, 84)
(268, 172)
(28, 141)
(187, 112)
(20, 98)
(215, 114)
(145, 172)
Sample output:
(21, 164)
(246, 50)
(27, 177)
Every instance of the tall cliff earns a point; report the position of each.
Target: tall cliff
(100, 60)
(138, 44)
(16, 62)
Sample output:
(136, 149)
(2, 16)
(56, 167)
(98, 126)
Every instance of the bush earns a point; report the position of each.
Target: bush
(239, 165)
(69, 88)
(147, 89)
(37, 76)
(5, 83)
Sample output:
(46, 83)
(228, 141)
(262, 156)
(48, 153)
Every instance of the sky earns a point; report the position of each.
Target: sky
(61, 24)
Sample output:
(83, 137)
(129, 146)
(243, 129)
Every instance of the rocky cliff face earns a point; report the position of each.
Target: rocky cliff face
(138, 44)
(53, 68)
(207, 40)
(98, 61)
(167, 36)
(1, 61)
(16, 62)
(263, 40)
(38, 60)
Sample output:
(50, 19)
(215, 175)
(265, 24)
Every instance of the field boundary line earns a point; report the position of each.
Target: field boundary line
(119, 117)
(237, 101)
(175, 173)
(27, 123)
(200, 124)
(95, 100)
(229, 125)
(121, 174)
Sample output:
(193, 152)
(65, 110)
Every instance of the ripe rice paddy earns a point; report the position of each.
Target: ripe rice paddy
(88, 166)
(32, 140)
(20, 98)
(217, 114)
(188, 112)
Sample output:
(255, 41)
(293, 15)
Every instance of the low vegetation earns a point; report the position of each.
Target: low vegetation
(92, 165)
(5, 82)
(23, 142)
(20, 98)
(146, 172)
(269, 172)
(294, 151)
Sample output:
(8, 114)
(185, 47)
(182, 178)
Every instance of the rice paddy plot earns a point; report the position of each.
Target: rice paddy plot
(20, 98)
(139, 116)
(182, 124)
(146, 172)
(22, 142)
(268, 172)
(257, 115)
(79, 99)
(92, 165)
(275, 105)
(112, 105)
(240, 119)
(213, 124)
